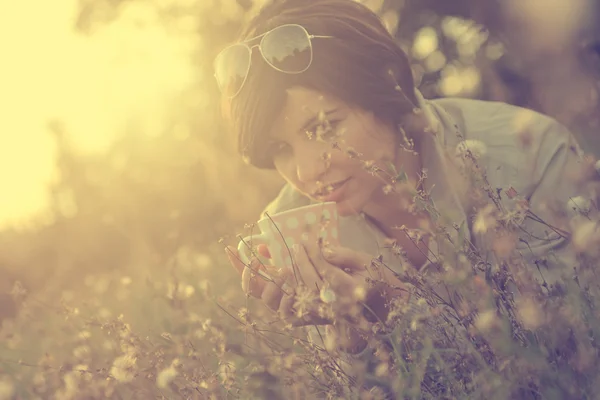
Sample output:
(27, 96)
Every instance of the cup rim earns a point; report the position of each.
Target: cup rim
(297, 209)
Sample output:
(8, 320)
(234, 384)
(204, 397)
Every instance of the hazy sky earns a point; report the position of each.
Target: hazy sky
(93, 84)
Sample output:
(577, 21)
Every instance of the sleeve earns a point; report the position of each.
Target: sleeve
(561, 195)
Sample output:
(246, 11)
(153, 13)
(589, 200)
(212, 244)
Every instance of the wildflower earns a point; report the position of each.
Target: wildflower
(165, 377)
(71, 381)
(206, 325)
(530, 313)
(352, 153)
(39, 382)
(360, 293)
(83, 335)
(327, 295)
(187, 291)
(179, 291)
(485, 320)
(7, 389)
(123, 368)
(382, 369)
(82, 352)
(370, 167)
(485, 220)
(580, 204)
(305, 298)
(203, 261)
(586, 236)
(104, 313)
(227, 372)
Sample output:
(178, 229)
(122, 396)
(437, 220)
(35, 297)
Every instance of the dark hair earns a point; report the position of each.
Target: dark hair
(362, 66)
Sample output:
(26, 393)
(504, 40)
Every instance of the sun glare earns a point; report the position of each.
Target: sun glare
(94, 85)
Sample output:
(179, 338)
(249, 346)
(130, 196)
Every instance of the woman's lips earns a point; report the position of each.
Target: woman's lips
(336, 191)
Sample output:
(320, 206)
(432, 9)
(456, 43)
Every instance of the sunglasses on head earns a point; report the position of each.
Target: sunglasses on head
(287, 48)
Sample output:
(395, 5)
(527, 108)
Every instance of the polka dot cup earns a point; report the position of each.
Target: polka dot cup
(282, 230)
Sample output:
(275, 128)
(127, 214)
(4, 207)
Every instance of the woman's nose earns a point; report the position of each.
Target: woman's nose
(310, 166)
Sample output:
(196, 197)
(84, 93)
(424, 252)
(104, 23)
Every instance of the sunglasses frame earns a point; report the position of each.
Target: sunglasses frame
(250, 49)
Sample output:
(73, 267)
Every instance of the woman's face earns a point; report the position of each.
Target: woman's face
(320, 144)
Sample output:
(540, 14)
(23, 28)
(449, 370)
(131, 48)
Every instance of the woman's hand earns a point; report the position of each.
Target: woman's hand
(280, 291)
(333, 275)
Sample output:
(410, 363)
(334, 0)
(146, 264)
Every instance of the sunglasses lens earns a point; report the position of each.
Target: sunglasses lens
(231, 68)
(287, 48)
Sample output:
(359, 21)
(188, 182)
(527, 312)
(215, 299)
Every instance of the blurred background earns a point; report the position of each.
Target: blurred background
(113, 156)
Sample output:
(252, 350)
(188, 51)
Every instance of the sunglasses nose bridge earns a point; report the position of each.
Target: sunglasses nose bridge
(253, 47)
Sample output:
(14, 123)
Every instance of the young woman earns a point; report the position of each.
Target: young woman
(321, 92)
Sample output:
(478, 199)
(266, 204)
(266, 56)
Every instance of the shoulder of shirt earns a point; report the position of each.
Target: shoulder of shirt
(496, 123)
(287, 199)
(519, 142)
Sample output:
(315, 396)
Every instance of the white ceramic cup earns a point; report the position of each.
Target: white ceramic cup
(279, 232)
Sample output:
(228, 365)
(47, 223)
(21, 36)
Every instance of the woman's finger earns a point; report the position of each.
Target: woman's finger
(342, 283)
(273, 292)
(234, 259)
(286, 305)
(347, 259)
(252, 283)
(305, 271)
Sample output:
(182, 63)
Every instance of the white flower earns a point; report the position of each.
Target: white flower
(579, 204)
(597, 166)
(123, 368)
(586, 237)
(477, 148)
(227, 372)
(165, 377)
(485, 320)
(485, 220)
(327, 295)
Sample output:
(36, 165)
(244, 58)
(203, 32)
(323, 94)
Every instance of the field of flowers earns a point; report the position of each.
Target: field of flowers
(125, 292)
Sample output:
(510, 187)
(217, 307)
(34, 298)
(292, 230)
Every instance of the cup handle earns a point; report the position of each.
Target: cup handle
(244, 246)
(244, 251)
